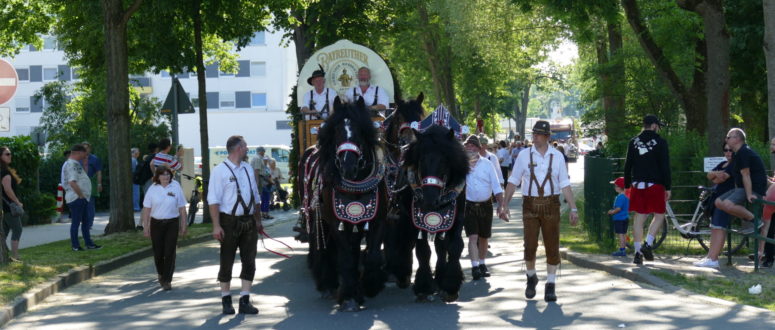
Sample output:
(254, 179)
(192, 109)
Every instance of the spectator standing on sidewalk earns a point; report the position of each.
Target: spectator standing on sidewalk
(540, 170)
(647, 172)
(491, 157)
(93, 166)
(233, 199)
(481, 184)
(77, 192)
(769, 211)
(163, 157)
(620, 215)
(723, 176)
(504, 158)
(12, 223)
(135, 186)
(145, 174)
(261, 173)
(164, 218)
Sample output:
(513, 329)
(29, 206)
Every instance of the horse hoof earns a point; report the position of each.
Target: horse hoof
(350, 306)
(449, 297)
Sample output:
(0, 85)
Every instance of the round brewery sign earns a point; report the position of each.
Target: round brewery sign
(341, 62)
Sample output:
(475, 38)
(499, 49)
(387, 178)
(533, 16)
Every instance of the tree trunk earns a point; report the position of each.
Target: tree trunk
(116, 58)
(604, 82)
(688, 100)
(769, 55)
(204, 138)
(717, 86)
(615, 113)
(520, 113)
(441, 68)
(303, 50)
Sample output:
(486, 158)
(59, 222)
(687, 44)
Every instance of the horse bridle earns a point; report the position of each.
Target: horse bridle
(348, 146)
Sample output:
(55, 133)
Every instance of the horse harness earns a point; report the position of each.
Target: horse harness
(376, 92)
(437, 221)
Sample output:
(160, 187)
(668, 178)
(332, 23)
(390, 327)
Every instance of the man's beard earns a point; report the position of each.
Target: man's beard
(363, 83)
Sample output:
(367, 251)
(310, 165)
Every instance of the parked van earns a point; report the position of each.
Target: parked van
(280, 153)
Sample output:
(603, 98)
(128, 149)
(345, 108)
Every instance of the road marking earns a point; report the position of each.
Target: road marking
(7, 81)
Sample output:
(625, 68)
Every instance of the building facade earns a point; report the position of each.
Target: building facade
(250, 102)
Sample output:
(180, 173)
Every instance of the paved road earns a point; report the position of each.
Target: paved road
(130, 298)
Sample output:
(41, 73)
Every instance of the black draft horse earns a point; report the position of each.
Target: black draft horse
(399, 239)
(436, 166)
(344, 201)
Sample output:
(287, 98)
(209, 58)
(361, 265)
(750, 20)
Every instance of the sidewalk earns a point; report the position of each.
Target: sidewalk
(42, 234)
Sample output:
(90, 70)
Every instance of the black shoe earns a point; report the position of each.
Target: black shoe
(648, 254)
(767, 263)
(530, 291)
(94, 247)
(78, 249)
(226, 302)
(245, 307)
(483, 271)
(549, 294)
(638, 258)
(476, 273)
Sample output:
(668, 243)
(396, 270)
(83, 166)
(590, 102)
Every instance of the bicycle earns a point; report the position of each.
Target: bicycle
(697, 227)
(193, 202)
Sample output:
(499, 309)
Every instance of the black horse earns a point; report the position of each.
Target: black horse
(436, 166)
(344, 201)
(399, 241)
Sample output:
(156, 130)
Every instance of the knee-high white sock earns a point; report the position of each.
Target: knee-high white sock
(550, 278)
(481, 261)
(225, 293)
(637, 247)
(531, 272)
(474, 263)
(650, 239)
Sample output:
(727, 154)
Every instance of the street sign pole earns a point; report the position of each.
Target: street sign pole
(174, 111)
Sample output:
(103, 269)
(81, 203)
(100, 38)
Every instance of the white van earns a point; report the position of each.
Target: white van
(280, 153)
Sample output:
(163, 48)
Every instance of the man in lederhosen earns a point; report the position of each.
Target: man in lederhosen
(481, 183)
(234, 205)
(541, 171)
(319, 102)
(375, 97)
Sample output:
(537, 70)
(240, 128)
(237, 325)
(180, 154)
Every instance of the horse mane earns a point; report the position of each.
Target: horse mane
(437, 141)
(331, 134)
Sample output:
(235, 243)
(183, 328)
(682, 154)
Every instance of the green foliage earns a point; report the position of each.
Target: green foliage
(22, 22)
(26, 161)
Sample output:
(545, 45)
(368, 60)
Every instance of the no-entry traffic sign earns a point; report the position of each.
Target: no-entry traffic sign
(8, 81)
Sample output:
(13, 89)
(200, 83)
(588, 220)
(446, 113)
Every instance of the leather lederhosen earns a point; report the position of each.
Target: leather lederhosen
(541, 214)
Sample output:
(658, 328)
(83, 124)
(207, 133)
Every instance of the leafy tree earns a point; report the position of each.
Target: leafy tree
(22, 22)
(769, 51)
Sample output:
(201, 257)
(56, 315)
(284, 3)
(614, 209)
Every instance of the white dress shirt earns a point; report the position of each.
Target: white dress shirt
(320, 100)
(222, 189)
(496, 165)
(368, 97)
(521, 172)
(505, 155)
(164, 202)
(482, 182)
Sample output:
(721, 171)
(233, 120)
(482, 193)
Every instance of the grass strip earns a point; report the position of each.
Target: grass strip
(43, 262)
(735, 290)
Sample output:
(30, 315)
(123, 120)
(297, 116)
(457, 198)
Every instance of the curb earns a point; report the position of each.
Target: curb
(39, 293)
(581, 260)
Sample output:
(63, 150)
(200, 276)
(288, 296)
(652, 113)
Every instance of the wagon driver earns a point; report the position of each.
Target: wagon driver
(375, 97)
(319, 102)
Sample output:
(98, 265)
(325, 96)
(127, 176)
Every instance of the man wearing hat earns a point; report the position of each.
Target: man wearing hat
(375, 98)
(541, 171)
(647, 172)
(481, 183)
(319, 102)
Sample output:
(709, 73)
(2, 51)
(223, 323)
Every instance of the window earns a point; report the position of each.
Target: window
(22, 104)
(49, 43)
(165, 74)
(24, 74)
(258, 69)
(50, 73)
(259, 39)
(280, 155)
(36, 104)
(227, 100)
(282, 124)
(76, 73)
(259, 99)
(242, 100)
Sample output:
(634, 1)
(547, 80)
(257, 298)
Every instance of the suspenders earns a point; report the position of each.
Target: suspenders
(376, 92)
(246, 208)
(533, 176)
(323, 111)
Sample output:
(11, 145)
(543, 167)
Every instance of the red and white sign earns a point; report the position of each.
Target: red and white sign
(8, 81)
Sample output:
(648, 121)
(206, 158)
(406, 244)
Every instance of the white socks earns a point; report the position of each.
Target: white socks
(531, 272)
(474, 263)
(637, 247)
(225, 293)
(650, 239)
(244, 293)
(481, 261)
(550, 278)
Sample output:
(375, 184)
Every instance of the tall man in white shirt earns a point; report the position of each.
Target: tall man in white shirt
(234, 204)
(491, 157)
(481, 183)
(504, 157)
(542, 173)
(319, 102)
(375, 98)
